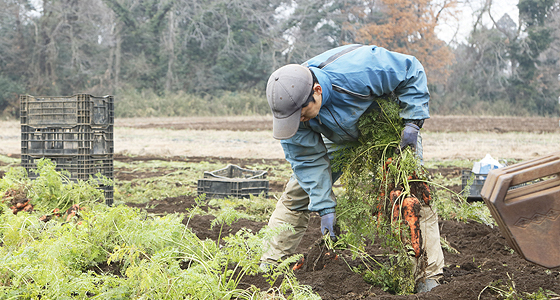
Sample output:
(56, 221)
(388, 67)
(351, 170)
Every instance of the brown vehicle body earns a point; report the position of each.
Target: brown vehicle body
(524, 199)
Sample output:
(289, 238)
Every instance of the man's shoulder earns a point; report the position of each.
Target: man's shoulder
(321, 58)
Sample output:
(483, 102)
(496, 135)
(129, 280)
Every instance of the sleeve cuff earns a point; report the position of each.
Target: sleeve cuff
(418, 123)
(325, 211)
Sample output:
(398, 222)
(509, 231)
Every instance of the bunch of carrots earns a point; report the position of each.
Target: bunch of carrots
(17, 200)
(70, 213)
(403, 205)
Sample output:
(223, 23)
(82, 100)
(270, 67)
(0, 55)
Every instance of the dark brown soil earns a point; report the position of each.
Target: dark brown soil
(484, 259)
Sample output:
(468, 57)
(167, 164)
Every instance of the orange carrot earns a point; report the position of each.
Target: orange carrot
(394, 194)
(70, 215)
(380, 207)
(396, 212)
(28, 207)
(73, 209)
(426, 194)
(388, 161)
(386, 166)
(380, 199)
(393, 197)
(411, 214)
(298, 264)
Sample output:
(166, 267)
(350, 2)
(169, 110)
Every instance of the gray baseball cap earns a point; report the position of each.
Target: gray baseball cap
(287, 90)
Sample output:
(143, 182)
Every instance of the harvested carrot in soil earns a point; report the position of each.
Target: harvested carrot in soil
(380, 199)
(380, 207)
(393, 197)
(426, 195)
(388, 161)
(299, 264)
(396, 212)
(394, 194)
(421, 189)
(411, 215)
(22, 204)
(70, 215)
(407, 209)
(45, 218)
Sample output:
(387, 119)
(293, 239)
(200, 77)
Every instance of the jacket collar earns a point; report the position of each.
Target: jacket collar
(325, 83)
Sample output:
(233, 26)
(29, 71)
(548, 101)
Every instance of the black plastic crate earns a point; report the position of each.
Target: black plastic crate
(76, 132)
(79, 109)
(236, 172)
(476, 186)
(76, 140)
(80, 168)
(221, 188)
(108, 190)
(233, 181)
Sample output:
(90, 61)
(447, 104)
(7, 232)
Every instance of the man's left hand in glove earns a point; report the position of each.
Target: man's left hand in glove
(327, 224)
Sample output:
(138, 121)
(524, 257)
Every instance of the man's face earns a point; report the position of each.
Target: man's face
(312, 109)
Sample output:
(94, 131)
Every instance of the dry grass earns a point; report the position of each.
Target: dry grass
(224, 143)
(260, 144)
(475, 145)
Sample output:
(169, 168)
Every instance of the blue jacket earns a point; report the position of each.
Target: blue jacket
(350, 85)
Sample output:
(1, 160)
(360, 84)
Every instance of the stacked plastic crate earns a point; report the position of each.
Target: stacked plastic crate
(76, 132)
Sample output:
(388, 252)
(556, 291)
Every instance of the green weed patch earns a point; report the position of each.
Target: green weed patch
(120, 252)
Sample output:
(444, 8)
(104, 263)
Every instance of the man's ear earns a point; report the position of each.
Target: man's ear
(317, 88)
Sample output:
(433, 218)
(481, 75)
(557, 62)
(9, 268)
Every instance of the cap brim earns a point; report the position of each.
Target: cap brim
(285, 128)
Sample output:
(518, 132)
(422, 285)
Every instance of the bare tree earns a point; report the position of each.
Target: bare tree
(224, 44)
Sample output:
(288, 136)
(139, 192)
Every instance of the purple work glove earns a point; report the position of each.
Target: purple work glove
(409, 137)
(327, 224)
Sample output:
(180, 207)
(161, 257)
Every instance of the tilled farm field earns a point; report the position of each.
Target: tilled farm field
(484, 259)
(482, 267)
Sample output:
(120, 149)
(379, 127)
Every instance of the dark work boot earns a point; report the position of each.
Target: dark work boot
(426, 285)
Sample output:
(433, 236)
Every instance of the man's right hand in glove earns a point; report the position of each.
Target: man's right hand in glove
(327, 224)
(409, 137)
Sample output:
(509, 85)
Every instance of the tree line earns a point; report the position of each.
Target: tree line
(205, 48)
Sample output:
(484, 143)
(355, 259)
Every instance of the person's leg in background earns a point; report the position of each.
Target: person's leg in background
(290, 209)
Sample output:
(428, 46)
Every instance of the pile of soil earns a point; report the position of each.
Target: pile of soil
(484, 259)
